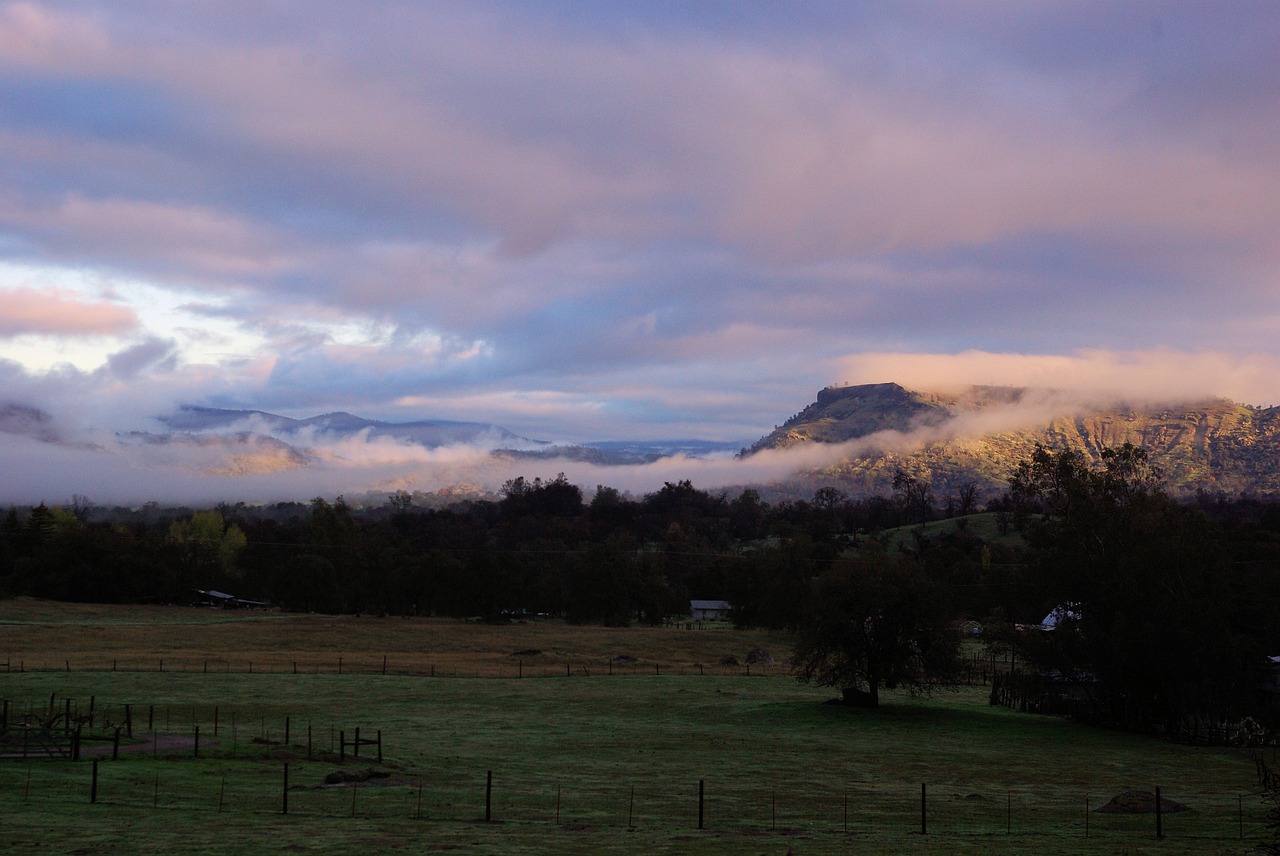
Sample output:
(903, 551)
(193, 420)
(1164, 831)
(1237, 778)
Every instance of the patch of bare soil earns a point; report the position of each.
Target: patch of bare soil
(351, 777)
(150, 743)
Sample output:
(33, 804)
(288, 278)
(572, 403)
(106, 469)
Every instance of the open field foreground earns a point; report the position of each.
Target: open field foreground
(585, 764)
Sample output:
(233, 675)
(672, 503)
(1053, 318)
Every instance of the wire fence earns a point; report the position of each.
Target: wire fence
(869, 810)
(206, 758)
(975, 671)
(534, 666)
(200, 758)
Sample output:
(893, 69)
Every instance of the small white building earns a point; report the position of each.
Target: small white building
(709, 610)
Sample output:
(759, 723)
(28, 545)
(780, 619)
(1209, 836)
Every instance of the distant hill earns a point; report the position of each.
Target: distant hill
(27, 422)
(628, 452)
(978, 436)
(430, 433)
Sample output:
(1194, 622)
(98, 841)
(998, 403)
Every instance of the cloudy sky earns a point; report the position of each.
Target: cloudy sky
(659, 219)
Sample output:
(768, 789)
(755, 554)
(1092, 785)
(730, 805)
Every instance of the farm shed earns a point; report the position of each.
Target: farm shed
(213, 597)
(709, 610)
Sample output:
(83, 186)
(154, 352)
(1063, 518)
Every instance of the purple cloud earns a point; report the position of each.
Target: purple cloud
(636, 220)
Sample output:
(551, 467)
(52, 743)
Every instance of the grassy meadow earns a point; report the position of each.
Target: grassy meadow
(582, 761)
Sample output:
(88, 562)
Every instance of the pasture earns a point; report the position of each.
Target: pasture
(582, 760)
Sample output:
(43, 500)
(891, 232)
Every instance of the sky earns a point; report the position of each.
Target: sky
(632, 220)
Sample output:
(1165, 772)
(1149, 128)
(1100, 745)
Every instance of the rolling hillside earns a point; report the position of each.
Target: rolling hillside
(981, 434)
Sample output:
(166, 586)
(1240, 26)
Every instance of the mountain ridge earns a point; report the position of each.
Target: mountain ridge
(1212, 445)
(856, 438)
(427, 432)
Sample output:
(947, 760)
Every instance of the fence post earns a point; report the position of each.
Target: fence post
(1159, 815)
(93, 786)
(355, 747)
(379, 745)
(286, 731)
(284, 803)
(702, 792)
(923, 814)
(488, 797)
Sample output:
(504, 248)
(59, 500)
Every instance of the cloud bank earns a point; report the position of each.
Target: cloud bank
(257, 461)
(584, 221)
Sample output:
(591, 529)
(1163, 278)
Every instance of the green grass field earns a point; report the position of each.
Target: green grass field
(589, 763)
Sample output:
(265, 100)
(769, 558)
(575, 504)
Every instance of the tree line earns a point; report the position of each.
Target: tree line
(1167, 609)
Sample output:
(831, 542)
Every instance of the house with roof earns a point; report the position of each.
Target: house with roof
(220, 599)
(709, 610)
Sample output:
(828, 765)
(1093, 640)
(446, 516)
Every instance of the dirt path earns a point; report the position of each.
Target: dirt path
(157, 743)
(149, 743)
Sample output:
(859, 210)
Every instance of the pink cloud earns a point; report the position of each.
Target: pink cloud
(789, 158)
(60, 313)
(194, 237)
(1157, 374)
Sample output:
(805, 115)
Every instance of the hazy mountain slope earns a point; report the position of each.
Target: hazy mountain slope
(28, 422)
(845, 413)
(429, 433)
(1214, 445)
(241, 453)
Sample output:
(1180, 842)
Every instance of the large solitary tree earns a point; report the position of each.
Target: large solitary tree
(878, 621)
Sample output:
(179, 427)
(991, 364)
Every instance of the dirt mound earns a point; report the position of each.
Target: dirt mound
(354, 777)
(759, 656)
(624, 660)
(1139, 802)
(729, 660)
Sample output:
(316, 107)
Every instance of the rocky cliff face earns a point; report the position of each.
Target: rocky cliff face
(980, 435)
